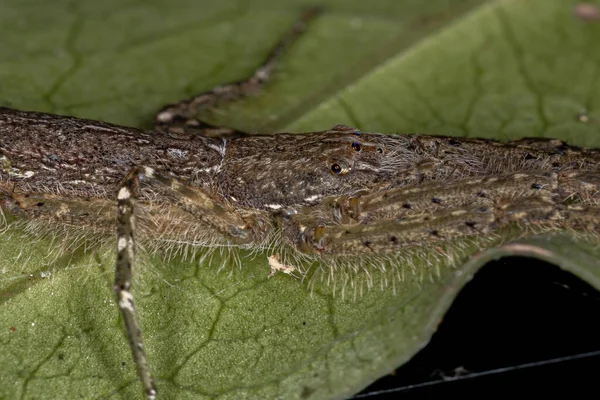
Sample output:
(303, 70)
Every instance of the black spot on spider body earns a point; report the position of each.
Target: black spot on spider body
(529, 156)
(436, 200)
(481, 194)
(53, 158)
(471, 224)
(560, 150)
(407, 206)
(379, 150)
(393, 239)
(40, 204)
(537, 186)
(176, 118)
(435, 232)
(454, 142)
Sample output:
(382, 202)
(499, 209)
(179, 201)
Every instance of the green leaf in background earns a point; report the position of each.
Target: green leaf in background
(499, 69)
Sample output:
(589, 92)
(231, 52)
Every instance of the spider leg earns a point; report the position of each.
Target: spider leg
(192, 208)
(182, 116)
(126, 199)
(391, 220)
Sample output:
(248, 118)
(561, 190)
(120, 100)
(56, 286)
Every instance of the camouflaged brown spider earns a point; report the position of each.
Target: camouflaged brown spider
(325, 195)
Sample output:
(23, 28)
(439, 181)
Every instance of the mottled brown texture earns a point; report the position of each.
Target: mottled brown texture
(312, 186)
(71, 156)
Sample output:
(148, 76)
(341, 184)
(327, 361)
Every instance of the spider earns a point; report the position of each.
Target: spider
(326, 195)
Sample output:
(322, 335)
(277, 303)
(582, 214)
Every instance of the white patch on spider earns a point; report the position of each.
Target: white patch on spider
(14, 172)
(366, 166)
(130, 248)
(262, 74)
(458, 212)
(176, 185)
(220, 149)
(164, 116)
(177, 153)
(520, 176)
(63, 210)
(215, 147)
(312, 198)
(124, 194)
(214, 168)
(233, 198)
(274, 206)
(149, 172)
(126, 300)
(276, 265)
(121, 244)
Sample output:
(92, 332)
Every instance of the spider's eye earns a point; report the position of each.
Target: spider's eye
(356, 146)
(336, 169)
(380, 150)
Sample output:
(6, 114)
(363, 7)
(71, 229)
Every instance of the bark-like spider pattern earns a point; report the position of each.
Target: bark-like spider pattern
(322, 195)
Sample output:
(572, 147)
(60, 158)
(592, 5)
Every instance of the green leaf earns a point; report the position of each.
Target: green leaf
(502, 69)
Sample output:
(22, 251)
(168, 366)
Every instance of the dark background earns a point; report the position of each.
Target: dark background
(520, 326)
